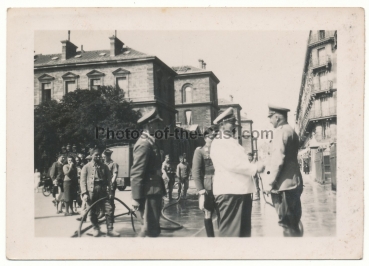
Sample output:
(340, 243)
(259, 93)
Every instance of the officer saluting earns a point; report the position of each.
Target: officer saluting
(146, 182)
(233, 180)
(202, 173)
(286, 180)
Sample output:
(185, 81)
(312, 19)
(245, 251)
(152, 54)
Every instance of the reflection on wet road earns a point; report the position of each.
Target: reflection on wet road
(318, 218)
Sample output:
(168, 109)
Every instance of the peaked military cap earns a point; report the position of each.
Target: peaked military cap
(273, 109)
(149, 117)
(108, 152)
(225, 116)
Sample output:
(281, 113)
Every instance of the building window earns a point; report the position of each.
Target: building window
(188, 116)
(325, 106)
(122, 83)
(321, 56)
(177, 117)
(321, 34)
(326, 130)
(322, 80)
(70, 86)
(95, 84)
(187, 95)
(95, 79)
(46, 92)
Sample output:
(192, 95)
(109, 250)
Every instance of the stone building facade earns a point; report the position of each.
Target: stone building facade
(316, 114)
(146, 81)
(196, 95)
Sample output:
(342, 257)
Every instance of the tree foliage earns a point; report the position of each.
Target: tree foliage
(74, 120)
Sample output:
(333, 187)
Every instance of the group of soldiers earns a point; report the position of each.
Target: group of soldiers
(224, 175)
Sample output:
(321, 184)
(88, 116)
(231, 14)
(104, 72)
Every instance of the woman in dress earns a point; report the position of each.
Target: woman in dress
(69, 185)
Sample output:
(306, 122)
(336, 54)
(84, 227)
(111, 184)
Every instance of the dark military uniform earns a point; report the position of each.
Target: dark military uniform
(285, 175)
(147, 184)
(202, 173)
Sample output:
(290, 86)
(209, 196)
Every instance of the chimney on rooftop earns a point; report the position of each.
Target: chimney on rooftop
(204, 65)
(201, 63)
(116, 45)
(82, 49)
(231, 98)
(68, 49)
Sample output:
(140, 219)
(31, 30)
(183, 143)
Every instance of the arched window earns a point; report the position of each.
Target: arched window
(187, 94)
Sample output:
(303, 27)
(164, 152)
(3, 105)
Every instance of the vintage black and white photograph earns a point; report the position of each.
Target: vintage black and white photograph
(193, 134)
(191, 141)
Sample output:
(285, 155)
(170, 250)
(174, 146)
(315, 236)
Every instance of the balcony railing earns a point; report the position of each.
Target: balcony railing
(322, 87)
(317, 114)
(324, 62)
(317, 37)
(322, 113)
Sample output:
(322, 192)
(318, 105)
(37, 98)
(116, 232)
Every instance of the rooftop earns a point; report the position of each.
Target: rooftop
(186, 70)
(88, 56)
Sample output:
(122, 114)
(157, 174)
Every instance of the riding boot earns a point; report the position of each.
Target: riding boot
(209, 227)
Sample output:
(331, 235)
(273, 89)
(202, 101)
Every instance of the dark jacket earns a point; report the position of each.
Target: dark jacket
(146, 169)
(284, 168)
(56, 172)
(203, 169)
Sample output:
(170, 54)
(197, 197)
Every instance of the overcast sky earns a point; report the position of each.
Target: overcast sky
(256, 67)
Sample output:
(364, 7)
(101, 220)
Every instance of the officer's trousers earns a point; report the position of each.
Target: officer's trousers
(288, 206)
(150, 211)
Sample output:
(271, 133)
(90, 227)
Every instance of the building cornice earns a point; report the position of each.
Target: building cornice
(198, 74)
(189, 105)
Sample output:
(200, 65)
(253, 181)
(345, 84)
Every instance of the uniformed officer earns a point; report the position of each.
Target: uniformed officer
(256, 178)
(202, 174)
(95, 184)
(233, 181)
(146, 182)
(285, 176)
(168, 175)
(113, 168)
(183, 173)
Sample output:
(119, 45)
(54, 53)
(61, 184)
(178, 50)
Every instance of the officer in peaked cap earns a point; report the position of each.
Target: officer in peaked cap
(147, 185)
(233, 183)
(285, 177)
(273, 109)
(113, 168)
(226, 116)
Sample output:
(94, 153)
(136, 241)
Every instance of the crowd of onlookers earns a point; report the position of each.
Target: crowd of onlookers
(65, 177)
